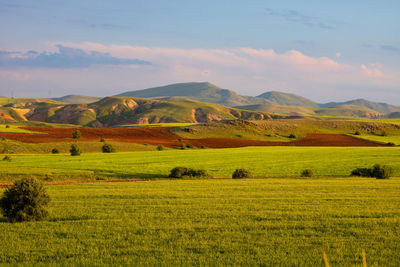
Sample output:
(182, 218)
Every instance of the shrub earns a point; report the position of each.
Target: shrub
(102, 140)
(7, 158)
(390, 144)
(378, 171)
(183, 146)
(382, 171)
(75, 150)
(307, 173)
(363, 172)
(292, 136)
(7, 126)
(179, 172)
(107, 148)
(76, 134)
(160, 147)
(3, 139)
(241, 173)
(55, 151)
(357, 133)
(189, 146)
(26, 200)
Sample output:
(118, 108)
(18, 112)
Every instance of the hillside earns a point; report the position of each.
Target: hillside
(341, 111)
(203, 91)
(207, 92)
(379, 107)
(77, 99)
(286, 99)
(111, 111)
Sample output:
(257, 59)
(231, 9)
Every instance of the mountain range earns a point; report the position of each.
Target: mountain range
(183, 102)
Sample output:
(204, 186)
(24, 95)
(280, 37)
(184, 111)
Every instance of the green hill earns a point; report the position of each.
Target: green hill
(111, 111)
(379, 107)
(202, 91)
(77, 99)
(340, 111)
(286, 99)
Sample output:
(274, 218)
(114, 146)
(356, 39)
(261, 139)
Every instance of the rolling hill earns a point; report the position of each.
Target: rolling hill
(379, 107)
(202, 91)
(112, 111)
(207, 92)
(77, 99)
(286, 99)
(340, 110)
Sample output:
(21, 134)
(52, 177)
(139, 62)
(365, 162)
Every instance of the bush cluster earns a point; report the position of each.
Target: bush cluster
(179, 172)
(241, 173)
(55, 151)
(378, 171)
(7, 158)
(160, 147)
(26, 200)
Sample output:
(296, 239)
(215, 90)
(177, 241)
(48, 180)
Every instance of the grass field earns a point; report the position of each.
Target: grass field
(14, 129)
(261, 161)
(264, 222)
(395, 139)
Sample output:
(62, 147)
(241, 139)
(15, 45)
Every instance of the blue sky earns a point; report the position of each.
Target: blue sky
(324, 50)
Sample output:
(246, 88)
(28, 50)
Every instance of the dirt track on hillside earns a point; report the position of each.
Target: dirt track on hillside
(163, 136)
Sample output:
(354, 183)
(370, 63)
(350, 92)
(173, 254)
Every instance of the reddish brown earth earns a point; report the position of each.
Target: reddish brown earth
(163, 136)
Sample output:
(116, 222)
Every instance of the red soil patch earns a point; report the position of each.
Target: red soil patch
(163, 136)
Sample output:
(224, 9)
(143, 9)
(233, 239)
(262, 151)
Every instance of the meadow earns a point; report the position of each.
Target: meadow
(249, 222)
(261, 161)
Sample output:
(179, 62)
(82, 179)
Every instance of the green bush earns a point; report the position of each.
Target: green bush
(76, 134)
(378, 171)
(7, 126)
(363, 172)
(107, 148)
(307, 173)
(183, 146)
(55, 151)
(102, 140)
(241, 173)
(75, 150)
(180, 172)
(160, 147)
(391, 144)
(26, 200)
(292, 136)
(7, 158)
(382, 171)
(357, 133)
(189, 146)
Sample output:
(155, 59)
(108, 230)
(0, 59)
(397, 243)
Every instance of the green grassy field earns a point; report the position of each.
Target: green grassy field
(14, 129)
(264, 222)
(395, 139)
(261, 161)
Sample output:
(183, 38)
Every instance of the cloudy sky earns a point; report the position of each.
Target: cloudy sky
(323, 50)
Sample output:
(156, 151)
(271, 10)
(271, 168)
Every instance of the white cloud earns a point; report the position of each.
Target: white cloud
(246, 70)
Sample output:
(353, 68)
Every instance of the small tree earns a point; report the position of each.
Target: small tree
(7, 158)
(55, 151)
(76, 134)
(26, 200)
(107, 148)
(75, 150)
(292, 136)
(382, 171)
(160, 147)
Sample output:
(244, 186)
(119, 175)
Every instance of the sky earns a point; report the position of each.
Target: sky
(323, 50)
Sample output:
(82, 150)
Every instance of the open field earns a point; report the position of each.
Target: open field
(250, 222)
(262, 161)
